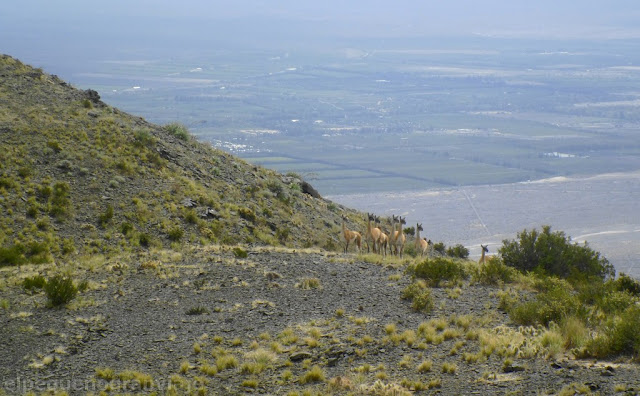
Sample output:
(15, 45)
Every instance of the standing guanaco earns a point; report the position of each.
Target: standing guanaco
(383, 240)
(483, 258)
(397, 236)
(350, 236)
(422, 244)
(372, 233)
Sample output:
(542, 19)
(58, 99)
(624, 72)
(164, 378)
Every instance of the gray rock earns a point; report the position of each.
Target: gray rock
(299, 356)
(189, 203)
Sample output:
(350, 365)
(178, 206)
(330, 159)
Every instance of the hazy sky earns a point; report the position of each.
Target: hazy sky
(362, 17)
(47, 33)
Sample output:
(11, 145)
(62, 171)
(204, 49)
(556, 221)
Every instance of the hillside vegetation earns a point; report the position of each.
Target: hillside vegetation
(79, 176)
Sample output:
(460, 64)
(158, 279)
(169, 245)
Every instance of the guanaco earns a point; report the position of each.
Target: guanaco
(402, 239)
(383, 240)
(422, 244)
(483, 258)
(350, 236)
(372, 233)
(393, 236)
(397, 236)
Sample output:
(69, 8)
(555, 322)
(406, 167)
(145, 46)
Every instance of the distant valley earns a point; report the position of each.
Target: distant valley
(601, 210)
(473, 120)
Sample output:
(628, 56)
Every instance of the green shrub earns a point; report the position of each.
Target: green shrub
(60, 290)
(575, 332)
(105, 218)
(440, 248)
(458, 251)
(25, 172)
(68, 246)
(282, 234)
(34, 282)
(619, 335)
(494, 272)
(199, 310)
(275, 187)
(554, 304)
(43, 224)
(178, 130)
(44, 192)
(315, 374)
(142, 138)
(553, 253)
(59, 201)
(239, 252)
(330, 245)
(38, 253)
(410, 250)
(124, 166)
(12, 255)
(309, 283)
(175, 234)
(190, 216)
(616, 301)
(7, 183)
(33, 209)
(83, 286)
(126, 228)
(413, 289)
(144, 240)
(420, 295)
(438, 270)
(593, 292)
(54, 145)
(628, 284)
(247, 214)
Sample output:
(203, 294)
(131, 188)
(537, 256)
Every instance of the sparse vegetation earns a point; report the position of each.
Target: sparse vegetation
(315, 374)
(198, 310)
(617, 335)
(438, 271)
(60, 290)
(106, 216)
(175, 234)
(425, 366)
(225, 362)
(12, 255)
(420, 295)
(34, 282)
(240, 252)
(449, 368)
(494, 272)
(309, 283)
(178, 130)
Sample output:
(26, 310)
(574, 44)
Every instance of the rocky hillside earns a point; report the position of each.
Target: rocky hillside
(79, 176)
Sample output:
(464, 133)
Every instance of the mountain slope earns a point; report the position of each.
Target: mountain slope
(77, 175)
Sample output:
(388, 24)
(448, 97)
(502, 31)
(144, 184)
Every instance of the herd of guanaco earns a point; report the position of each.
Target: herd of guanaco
(394, 241)
(379, 240)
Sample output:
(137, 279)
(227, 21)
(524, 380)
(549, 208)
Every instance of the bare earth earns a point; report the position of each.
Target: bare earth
(170, 316)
